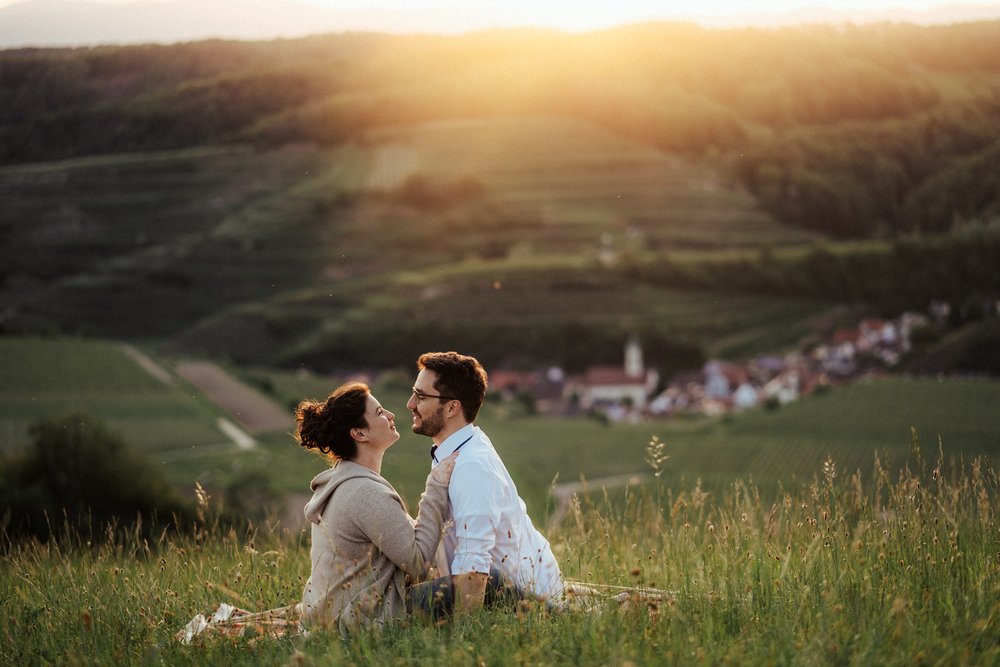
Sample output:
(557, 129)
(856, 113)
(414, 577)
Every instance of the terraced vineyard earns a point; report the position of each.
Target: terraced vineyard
(261, 257)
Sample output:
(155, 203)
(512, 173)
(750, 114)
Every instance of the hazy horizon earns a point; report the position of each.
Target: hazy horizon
(51, 23)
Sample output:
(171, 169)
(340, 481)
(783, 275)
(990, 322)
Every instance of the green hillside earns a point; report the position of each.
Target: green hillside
(54, 378)
(851, 131)
(345, 202)
(303, 255)
(175, 427)
(346, 199)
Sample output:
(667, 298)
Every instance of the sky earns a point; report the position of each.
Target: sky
(591, 14)
(88, 22)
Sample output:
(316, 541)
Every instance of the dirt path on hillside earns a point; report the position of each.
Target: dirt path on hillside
(254, 411)
(147, 364)
(563, 493)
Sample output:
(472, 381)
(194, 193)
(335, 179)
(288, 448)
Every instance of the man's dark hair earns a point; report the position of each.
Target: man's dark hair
(460, 376)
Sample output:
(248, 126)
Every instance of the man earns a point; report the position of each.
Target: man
(489, 526)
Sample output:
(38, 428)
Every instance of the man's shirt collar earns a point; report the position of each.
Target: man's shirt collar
(454, 441)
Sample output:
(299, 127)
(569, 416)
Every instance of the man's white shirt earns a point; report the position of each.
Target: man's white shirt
(489, 524)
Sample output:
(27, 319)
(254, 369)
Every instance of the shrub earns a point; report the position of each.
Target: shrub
(79, 475)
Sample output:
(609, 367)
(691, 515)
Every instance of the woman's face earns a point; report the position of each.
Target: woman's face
(381, 429)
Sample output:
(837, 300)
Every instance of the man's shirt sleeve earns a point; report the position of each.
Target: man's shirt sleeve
(477, 498)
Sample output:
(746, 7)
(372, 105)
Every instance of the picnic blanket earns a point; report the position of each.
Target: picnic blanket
(230, 621)
(233, 622)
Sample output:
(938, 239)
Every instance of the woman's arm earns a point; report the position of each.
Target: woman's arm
(433, 507)
(410, 546)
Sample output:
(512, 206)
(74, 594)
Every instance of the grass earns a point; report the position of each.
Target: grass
(899, 569)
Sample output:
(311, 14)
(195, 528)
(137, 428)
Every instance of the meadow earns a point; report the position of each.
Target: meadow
(895, 568)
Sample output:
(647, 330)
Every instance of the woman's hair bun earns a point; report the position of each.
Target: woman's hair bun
(326, 426)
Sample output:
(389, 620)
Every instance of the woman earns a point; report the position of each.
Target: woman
(366, 550)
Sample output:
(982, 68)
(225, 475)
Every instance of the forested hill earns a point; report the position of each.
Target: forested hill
(852, 131)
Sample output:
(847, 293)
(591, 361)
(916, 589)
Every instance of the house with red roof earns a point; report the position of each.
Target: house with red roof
(629, 385)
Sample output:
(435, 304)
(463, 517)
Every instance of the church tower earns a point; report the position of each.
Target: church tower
(634, 367)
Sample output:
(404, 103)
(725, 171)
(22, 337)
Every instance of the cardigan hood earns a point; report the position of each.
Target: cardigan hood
(327, 482)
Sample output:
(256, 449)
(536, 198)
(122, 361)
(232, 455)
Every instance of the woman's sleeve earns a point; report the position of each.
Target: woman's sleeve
(431, 511)
(410, 546)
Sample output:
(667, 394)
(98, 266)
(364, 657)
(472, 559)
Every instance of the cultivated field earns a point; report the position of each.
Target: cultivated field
(58, 377)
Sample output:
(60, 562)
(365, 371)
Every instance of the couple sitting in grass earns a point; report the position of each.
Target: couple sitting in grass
(371, 562)
(471, 544)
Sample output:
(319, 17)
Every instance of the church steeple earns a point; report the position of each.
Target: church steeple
(634, 366)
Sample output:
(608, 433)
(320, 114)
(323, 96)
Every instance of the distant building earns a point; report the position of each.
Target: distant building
(745, 397)
(722, 378)
(605, 386)
(544, 388)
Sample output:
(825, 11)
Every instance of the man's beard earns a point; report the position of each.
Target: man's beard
(430, 425)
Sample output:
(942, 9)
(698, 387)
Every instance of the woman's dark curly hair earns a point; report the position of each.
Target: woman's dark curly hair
(326, 427)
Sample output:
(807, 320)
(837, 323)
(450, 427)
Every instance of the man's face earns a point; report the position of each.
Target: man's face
(428, 413)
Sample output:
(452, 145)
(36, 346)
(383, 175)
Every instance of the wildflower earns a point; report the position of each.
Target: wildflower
(202, 498)
(829, 470)
(655, 456)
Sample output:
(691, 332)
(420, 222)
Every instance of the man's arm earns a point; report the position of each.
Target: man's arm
(470, 591)
(476, 499)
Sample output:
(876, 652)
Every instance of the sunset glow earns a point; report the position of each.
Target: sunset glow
(590, 15)
(91, 22)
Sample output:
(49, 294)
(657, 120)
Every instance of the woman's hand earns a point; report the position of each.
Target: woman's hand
(441, 473)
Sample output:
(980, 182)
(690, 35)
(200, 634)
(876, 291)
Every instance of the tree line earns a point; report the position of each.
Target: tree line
(909, 272)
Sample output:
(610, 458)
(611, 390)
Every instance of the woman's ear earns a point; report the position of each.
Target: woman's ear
(358, 434)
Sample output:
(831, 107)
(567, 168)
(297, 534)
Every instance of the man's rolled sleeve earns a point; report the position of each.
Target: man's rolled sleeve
(476, 501)
(475, 539)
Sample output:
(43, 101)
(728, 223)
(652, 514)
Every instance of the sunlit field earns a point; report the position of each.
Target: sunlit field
(898, 569)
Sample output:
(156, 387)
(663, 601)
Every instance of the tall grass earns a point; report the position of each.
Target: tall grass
(899, 567)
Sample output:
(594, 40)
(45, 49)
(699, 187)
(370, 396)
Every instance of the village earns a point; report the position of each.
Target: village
(634, 392)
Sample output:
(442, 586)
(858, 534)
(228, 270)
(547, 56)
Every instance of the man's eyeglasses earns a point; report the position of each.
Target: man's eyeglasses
(421, 396)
